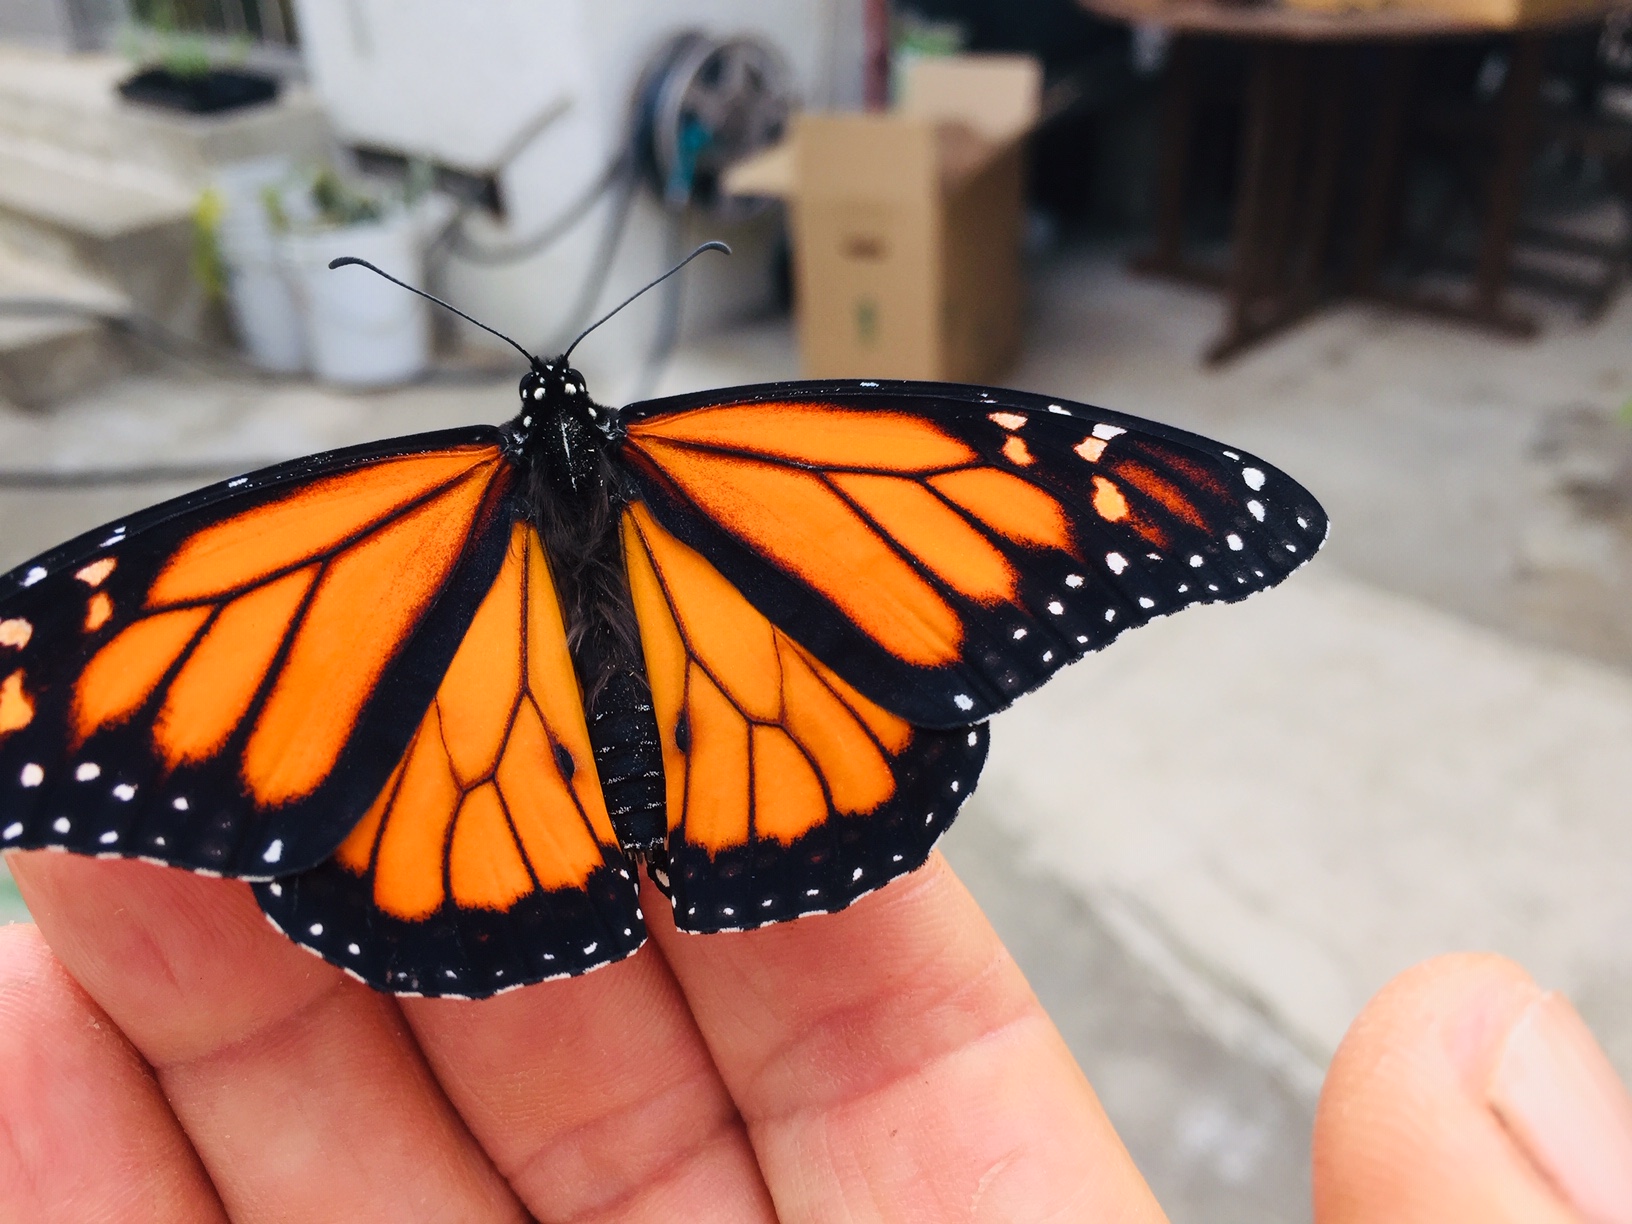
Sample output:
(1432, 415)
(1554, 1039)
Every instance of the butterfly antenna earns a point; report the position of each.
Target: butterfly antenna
(707, 246)
(346, 260)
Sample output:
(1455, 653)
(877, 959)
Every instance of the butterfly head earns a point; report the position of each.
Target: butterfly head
(551, 390)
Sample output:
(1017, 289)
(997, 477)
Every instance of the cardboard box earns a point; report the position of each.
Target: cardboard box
(907, 226)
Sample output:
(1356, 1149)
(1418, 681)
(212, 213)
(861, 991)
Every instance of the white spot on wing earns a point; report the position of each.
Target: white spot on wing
(1009, 420)
(15, 632)
(1116, 561)
(356, 951)
(88, 772)
(274, 851)
(1253, 477)
(1018, 634)
(590, 950)
(1073, 580)
(855, 875)
(32, 775)
(237, 482)
(179, 803)
(61, 824)
(13, 831)
(974, 738)
(316, 928)
(1256, 509)
(1056, 607)
(108, 838)
(275, 889)
(1108, 431)
(1145, 601)
(1234, 541)
(124, 791)
(33, 575)
(963, 701)
(1055, 408)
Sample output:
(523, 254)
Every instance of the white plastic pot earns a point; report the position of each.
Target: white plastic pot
(260, 295)
(362, 330)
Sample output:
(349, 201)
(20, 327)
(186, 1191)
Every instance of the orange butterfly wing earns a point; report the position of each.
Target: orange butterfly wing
(788, 791)
(211, 684)
(488, 861)
(947, 548)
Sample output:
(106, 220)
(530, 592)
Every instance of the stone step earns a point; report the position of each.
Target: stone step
(57, 338)
(88, 221)
(70, 103)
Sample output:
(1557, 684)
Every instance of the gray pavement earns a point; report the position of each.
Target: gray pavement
(1209, 845)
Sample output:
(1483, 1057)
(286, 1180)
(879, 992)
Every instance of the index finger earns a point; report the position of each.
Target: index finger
(891, 1062)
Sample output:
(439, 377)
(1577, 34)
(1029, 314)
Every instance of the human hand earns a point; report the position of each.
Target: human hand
(170, 1057)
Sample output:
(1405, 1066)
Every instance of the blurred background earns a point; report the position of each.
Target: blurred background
(1380, 243)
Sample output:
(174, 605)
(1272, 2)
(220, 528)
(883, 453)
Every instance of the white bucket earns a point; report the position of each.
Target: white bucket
(260, 295)
(361, 330)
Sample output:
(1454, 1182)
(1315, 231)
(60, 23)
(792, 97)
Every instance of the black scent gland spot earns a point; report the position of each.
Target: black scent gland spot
(565, 763)
(682, 734)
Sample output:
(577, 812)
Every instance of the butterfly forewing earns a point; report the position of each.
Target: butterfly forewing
(488, 861)
(945, 549)
(224, 682)
(789, 792)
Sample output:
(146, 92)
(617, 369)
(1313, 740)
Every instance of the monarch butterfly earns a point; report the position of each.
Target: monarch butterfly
(439, 697)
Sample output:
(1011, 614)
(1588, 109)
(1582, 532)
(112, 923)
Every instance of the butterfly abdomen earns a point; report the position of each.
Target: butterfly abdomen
(629, 760)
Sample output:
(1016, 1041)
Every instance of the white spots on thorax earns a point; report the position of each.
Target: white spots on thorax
(1234, 541)
(97, 572)
(1116, 561)
(1253, 477)
(15, 632)
(179, 803)
(1256, 509)
(1055, 607)
(88, 772)
(1145, 601)
(238, 482)
(538, 393)
(1073, 580)
(1018, 634)
(526, 420)
(1107, 432)
(1009, 420)
(108, 838)
(124, 792)
(963, 701)
(32, 775)
(34, 575)
(855, 875)
(316, 928)
(62, 824)
(1090, 449)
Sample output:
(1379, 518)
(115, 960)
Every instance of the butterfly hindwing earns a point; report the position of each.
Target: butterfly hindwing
(789, 792)
(946, 548)
(223, 682)
(488, 861)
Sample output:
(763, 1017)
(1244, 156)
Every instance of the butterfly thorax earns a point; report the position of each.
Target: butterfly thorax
(575, 499)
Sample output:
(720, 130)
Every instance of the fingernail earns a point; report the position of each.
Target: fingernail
(1557, 1094)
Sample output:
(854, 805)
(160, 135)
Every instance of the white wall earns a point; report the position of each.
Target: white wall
(457, 82)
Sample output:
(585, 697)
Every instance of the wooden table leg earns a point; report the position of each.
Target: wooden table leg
(1377, 204)
(1178, 108)
(1516, 138)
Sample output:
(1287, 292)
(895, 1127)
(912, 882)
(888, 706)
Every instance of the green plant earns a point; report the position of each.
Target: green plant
(208, 265)
(338, 203)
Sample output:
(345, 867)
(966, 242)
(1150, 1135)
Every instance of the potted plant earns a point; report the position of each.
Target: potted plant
(179, 73)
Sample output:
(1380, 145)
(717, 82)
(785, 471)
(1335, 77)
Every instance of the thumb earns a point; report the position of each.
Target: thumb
(1464, 1092)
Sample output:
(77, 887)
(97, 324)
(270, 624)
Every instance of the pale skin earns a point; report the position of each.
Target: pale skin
(166, 1056)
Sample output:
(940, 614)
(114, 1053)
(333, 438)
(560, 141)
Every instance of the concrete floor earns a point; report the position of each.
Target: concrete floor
(1210, 845)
